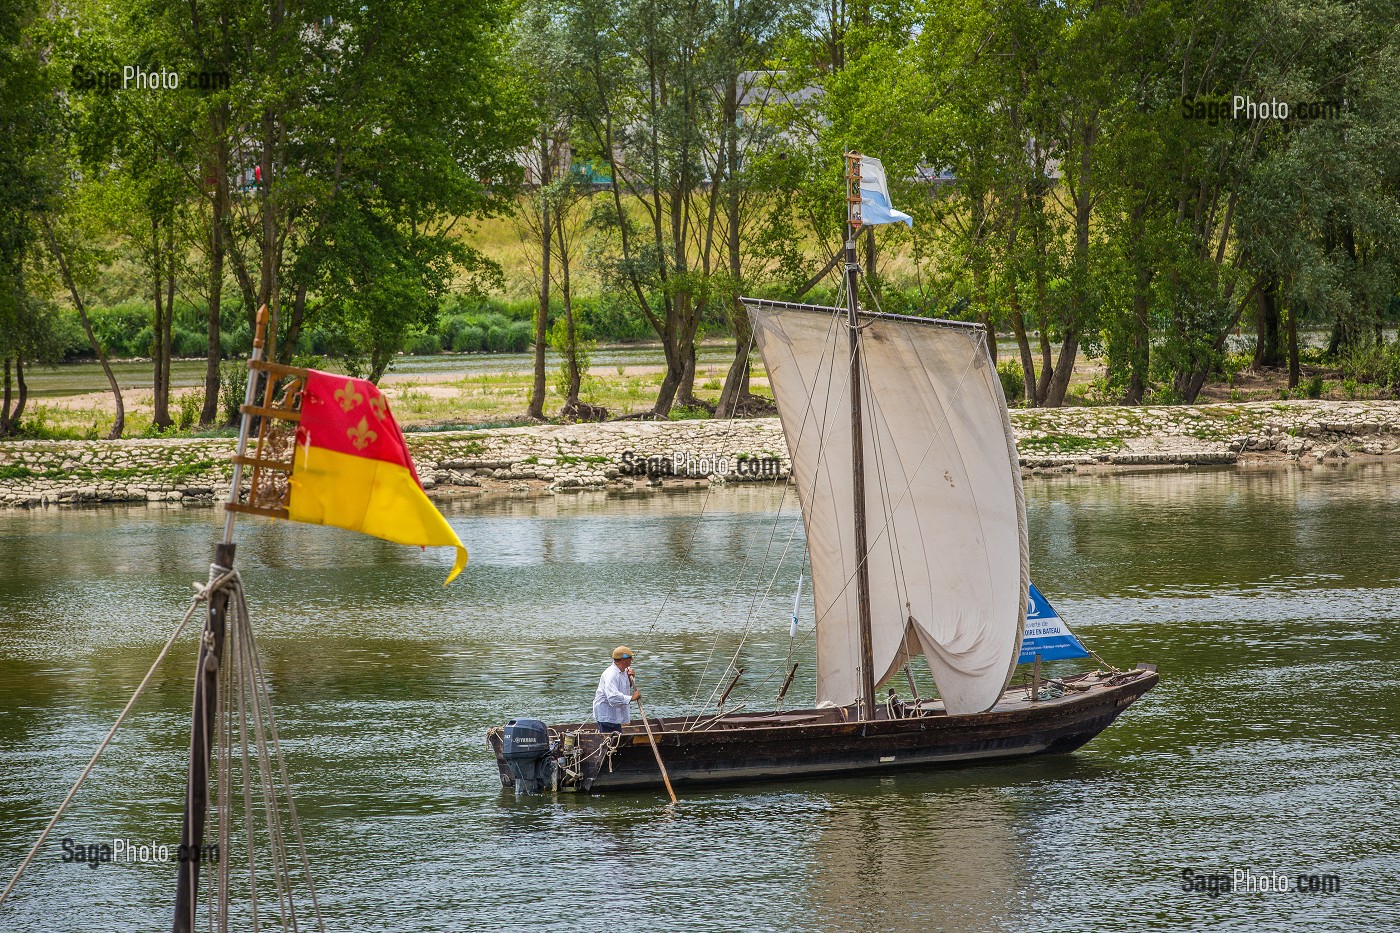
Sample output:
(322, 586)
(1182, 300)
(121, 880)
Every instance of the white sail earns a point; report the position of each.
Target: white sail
(944, 509)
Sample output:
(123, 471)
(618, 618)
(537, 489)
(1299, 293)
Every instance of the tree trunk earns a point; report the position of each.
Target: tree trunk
(978, 261)
(1190, 384)
(1047, 368)
(119, 423)
(1023, 343)
(1268, 349)
(1041, 249)
(160, 392)
(5, 422)
(18, 414)
(24, 390)
(571, 401)
(736, 382)
(1078, 309)
(1064, 368)
(675, 361)
(10, 417)
(1294, 372)
(294, 327)
(1140, 342)
(168, 343)
(218, 121)
(210, 411)
(685, 392)
(537, 391)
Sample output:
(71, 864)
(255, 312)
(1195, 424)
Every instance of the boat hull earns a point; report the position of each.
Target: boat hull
(820, 743)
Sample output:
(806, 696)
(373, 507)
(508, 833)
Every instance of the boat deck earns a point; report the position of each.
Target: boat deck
(1017, 698)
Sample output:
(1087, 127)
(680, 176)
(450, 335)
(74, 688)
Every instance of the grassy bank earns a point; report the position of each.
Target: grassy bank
(420, 401)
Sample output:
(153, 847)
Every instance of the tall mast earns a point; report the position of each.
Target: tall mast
(853, 224)
(203, 726)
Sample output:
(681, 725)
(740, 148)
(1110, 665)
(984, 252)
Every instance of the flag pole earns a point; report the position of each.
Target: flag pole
(206, 681)
(245, 424)
(853, 225)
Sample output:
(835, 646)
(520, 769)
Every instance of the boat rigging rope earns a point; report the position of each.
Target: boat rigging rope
(704, 504)
(244, 679)
(696, 708)
(247, 684)
(200, 596)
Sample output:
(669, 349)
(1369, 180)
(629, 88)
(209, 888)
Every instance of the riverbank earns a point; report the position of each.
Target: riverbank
(637, 453)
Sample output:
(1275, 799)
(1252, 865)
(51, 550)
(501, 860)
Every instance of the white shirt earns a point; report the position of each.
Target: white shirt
(613, 700)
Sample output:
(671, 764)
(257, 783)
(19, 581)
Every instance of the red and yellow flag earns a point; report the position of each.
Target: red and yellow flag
(352, 468)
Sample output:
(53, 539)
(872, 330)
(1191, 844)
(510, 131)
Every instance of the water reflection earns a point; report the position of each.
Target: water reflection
(878, 866)
(1267, 597)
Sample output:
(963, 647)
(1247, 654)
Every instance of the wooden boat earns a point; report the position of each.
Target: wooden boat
(748, 747)
(916, 533)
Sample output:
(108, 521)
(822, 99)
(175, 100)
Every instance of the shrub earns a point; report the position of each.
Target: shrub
(522, 334)
(190, 406)
(497, 339)
(189, 343)
(123, 329)
(332, 344)
(1313, 387)
(583, 354)
(450, 326)
(69, 337)
(1233, 364)
(1013, 381)
(236, 342)
(36, 426)
(233, 382)
(140, 344)
(1372, 362)
(424, 345)
(612, 317)
(470, 339)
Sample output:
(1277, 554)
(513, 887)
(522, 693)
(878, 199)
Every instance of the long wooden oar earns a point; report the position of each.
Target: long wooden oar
(656, 750)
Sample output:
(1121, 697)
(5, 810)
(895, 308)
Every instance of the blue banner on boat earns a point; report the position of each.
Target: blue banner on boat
(1046, 634)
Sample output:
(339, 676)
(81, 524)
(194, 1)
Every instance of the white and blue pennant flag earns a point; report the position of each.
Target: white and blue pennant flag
(1046, 633)
(875, 206)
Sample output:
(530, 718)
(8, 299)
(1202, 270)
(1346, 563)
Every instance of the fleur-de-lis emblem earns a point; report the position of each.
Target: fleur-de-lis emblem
(348, 397)
(362, 435)
(379, 406)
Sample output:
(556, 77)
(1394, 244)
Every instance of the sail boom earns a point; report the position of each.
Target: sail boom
(765, 303)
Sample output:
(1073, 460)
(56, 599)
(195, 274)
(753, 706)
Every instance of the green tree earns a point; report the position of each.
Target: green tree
(28, 117)
(645, 85)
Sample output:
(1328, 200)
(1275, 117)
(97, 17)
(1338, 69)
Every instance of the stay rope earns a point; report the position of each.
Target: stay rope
(201, 596)
(246, 725)
(695, 706)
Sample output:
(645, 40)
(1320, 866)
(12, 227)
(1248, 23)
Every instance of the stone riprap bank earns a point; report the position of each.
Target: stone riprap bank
(561, 457)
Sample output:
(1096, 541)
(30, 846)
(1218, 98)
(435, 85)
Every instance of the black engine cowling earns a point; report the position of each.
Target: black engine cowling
(526, 750)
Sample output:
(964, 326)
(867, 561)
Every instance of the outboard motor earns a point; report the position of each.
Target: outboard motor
(525, 747)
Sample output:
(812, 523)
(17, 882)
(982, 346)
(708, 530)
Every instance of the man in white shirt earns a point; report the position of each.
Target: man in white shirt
(612, 703)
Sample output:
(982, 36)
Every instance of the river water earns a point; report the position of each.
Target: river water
(1267, 597)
